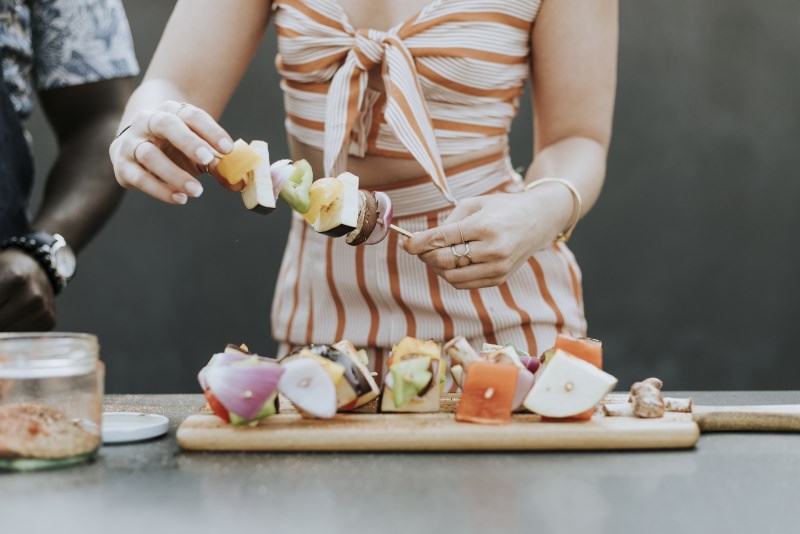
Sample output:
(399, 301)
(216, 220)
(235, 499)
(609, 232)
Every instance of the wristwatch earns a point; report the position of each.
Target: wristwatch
(51, 251)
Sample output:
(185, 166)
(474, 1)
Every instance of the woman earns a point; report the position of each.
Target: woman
(416, 97)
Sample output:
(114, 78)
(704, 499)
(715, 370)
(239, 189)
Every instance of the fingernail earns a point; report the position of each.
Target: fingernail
(225, 145)
(204, 155)
(179, 198)
(194, 189)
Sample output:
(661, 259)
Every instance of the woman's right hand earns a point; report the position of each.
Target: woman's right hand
(163, 151)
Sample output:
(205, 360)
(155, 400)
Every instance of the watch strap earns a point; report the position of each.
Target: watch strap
(38, 245)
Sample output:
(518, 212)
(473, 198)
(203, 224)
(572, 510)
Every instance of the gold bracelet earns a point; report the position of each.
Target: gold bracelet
(577, 204)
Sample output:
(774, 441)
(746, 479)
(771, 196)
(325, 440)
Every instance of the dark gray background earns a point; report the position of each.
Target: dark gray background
(689, 259)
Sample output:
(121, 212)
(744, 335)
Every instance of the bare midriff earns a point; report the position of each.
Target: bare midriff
(374, 171)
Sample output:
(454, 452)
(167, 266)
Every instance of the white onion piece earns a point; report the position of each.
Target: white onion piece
(385, 213)
(525, 381)
(388, 381)
(243, 389)
(309, 387)
(457, 372)
(280, 172)
(221, 358)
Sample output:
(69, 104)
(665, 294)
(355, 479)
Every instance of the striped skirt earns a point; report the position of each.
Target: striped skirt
(375, 295)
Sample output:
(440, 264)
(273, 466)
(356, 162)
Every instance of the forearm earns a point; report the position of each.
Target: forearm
(185, 68)
(573, 84)
(81, 193)
(149, 95)
(579, 160)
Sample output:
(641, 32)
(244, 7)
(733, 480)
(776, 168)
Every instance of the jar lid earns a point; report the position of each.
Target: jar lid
(125, 427)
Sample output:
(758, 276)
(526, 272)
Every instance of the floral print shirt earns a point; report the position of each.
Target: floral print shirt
(46, 44)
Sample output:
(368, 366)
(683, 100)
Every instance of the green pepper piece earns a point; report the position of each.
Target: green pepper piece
(409, 378)
(296, 190)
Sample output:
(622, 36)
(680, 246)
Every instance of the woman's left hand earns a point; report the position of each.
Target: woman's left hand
(486, 238)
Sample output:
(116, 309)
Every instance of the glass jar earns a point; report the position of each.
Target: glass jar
(51, 399)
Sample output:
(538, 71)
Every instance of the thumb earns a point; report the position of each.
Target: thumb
(446, 234)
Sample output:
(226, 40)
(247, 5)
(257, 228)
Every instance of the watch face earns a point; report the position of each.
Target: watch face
(64, 261)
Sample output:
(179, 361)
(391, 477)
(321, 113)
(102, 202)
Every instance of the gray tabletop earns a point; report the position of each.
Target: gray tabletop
(731, 482)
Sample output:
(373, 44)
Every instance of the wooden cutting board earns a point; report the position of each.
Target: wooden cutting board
(288, 431)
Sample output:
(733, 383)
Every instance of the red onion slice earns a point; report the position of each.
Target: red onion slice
(244, 387)
(221, 358)
(280, 172)
(227, 358)
(201, 378)
(531, 363)
(385, 214)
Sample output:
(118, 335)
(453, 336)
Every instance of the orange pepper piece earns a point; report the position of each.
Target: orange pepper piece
(488, 393)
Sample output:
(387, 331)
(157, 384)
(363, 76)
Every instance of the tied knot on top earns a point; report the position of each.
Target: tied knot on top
(369, 48)
(348, 106)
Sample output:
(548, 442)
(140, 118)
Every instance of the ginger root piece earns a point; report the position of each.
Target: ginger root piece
(646, 398)
(646, 401)
(618, 406)
(656, 382)
(673, 404)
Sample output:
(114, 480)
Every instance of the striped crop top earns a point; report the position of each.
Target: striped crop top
(452, 77)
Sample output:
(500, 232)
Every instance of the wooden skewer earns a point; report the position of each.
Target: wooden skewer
(401, 230)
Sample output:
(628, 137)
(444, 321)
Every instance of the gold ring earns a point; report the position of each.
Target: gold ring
(140, 143)
(460, 232)
(456, 254)
(464, 254)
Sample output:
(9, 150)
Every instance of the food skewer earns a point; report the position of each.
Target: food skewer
(357, 211)
(401, 231)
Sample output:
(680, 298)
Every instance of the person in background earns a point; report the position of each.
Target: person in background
(416, 98)
(78, 58)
